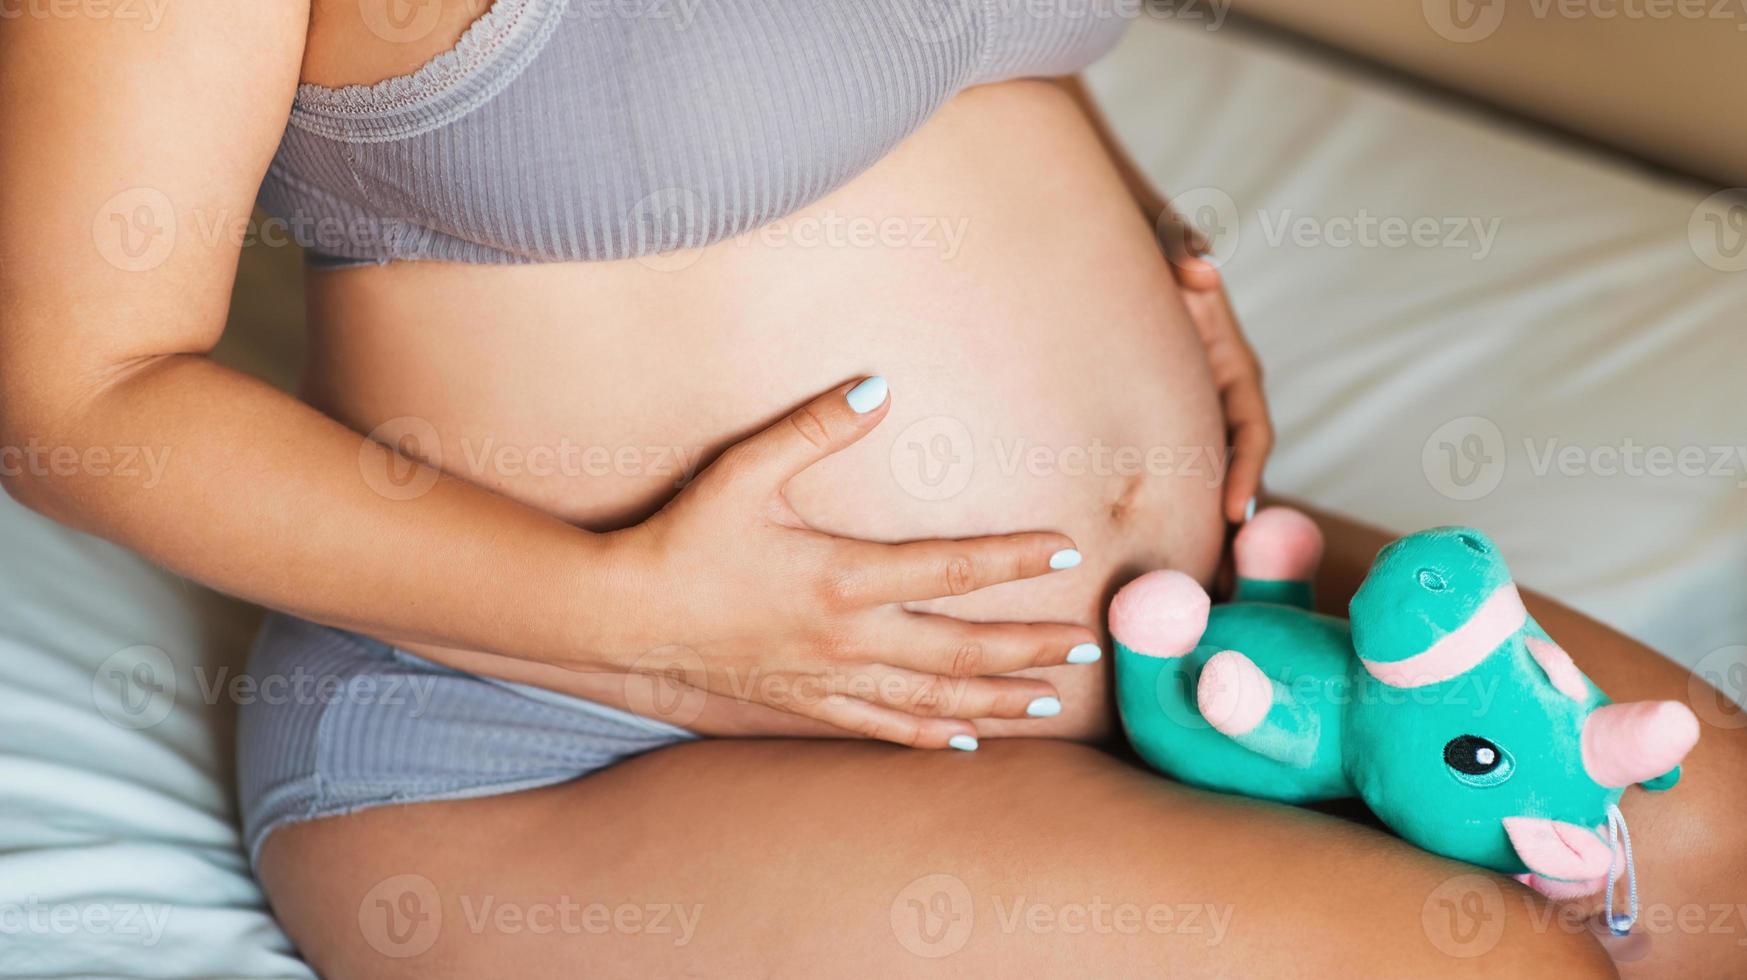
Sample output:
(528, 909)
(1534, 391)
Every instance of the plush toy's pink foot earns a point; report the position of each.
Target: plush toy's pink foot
(1160, 614)
(1233, 693)
(1278, 544)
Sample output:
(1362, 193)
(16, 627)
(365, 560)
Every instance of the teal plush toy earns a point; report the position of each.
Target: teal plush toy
(1441, 703)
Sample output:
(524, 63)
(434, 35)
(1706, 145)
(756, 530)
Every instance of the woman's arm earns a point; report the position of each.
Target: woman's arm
(131, 157)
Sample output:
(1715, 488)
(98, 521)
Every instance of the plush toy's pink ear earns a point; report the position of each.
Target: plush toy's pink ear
(1160, 614)
(1278, 544)
(1575, 856)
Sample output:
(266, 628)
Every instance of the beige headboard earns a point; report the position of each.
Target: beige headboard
(1665, 79)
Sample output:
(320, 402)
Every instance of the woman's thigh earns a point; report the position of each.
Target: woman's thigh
(839, 858)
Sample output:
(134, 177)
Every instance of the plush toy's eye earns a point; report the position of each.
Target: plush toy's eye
(1476, 761)
(1473, 543)
(1431, 581)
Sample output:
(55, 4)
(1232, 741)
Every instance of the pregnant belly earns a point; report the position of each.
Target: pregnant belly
(1044, 375)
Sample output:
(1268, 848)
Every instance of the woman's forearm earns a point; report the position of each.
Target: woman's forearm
(250, 491)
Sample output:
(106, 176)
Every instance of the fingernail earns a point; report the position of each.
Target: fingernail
(1250, 509)
(963, 743)
(1065, 558)
(1085, 653)
(867, 396)
(1044, 708)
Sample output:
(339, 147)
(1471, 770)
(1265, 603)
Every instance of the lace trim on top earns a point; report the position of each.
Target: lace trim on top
(506, 38)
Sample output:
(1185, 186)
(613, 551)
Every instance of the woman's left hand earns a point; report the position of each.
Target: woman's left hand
(1236, 371)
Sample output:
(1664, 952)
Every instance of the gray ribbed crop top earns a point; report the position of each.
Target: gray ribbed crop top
(572, 130)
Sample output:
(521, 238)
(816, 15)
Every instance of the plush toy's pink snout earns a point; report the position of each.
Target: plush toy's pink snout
(1637, 741)
(1160, 614)
(1553, 849)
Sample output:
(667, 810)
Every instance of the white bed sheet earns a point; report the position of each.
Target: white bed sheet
(1586, 308)
(1589, 321)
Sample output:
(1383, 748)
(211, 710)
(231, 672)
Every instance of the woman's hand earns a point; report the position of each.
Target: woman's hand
(749, 602)
(1236, 371)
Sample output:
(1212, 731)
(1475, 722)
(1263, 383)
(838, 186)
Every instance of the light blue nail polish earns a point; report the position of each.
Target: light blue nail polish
(1085, 653)
(963, 743)
(1065, 558)
(1250, 509)
(867, 396)
(1044, 708)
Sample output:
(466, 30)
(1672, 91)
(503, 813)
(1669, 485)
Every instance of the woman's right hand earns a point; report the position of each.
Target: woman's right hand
(751, 603)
